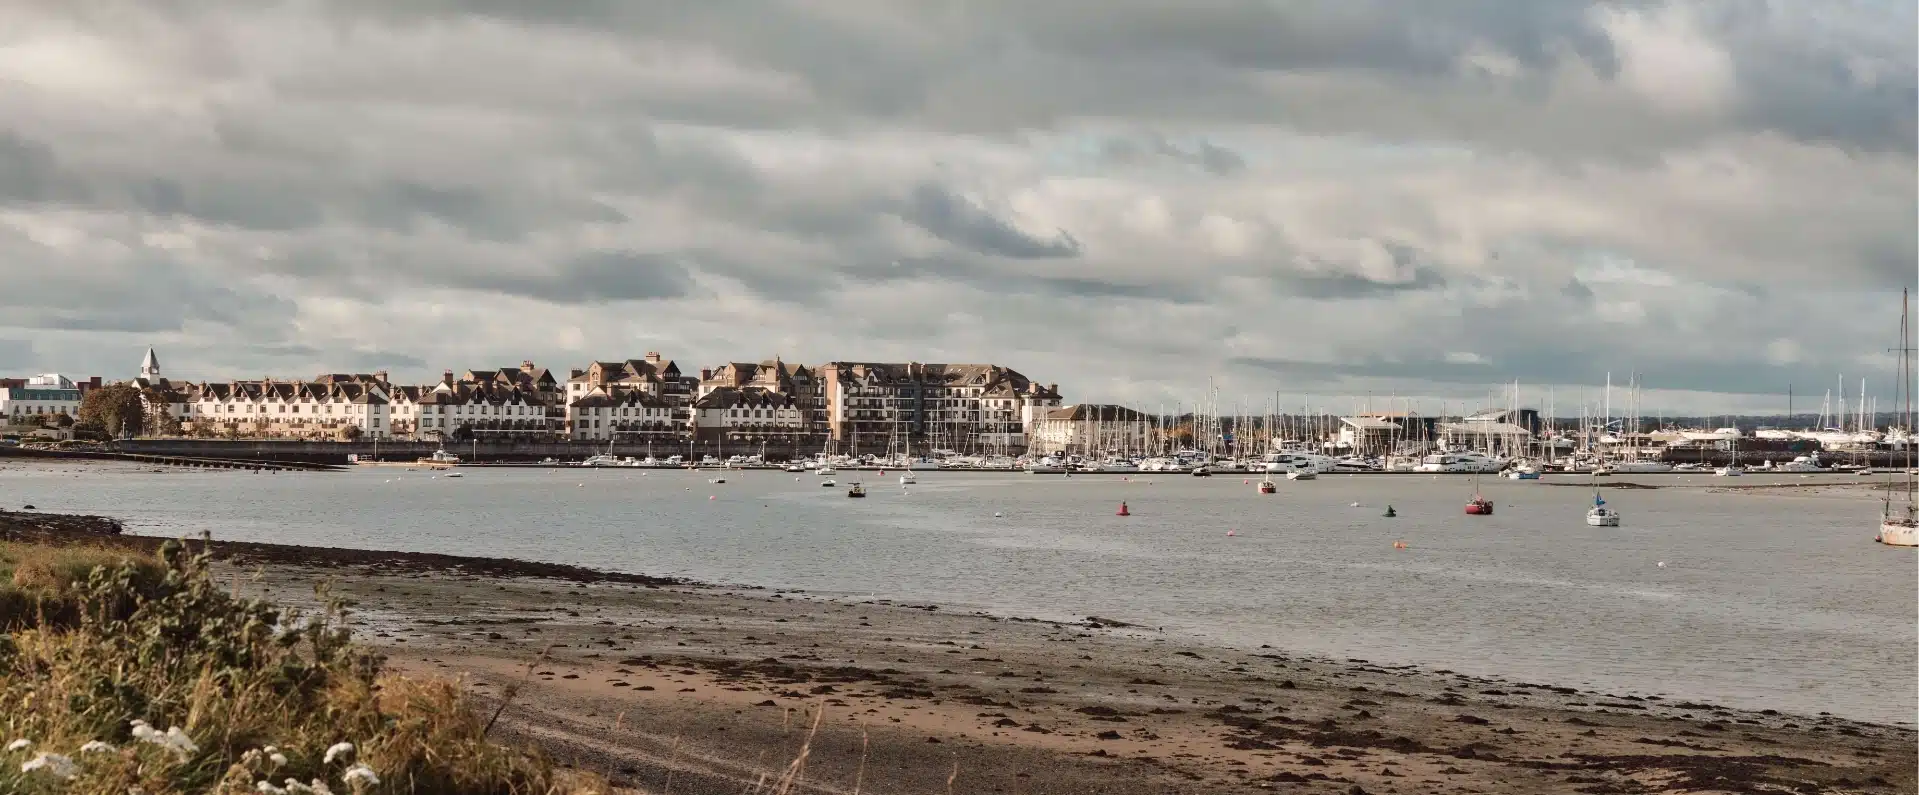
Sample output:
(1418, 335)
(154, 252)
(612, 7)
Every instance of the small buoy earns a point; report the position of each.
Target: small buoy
(1245, 481)
(1231, 533)
(1399, 545)
(1662, 564)
(1354, 505)
(1122, 511)
(996, 514)
(711, 497)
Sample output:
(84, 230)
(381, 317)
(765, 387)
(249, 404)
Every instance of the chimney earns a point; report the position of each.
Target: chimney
(706, 374)
(380, 376)
(447, 377)
(653, 356)
(526, 366)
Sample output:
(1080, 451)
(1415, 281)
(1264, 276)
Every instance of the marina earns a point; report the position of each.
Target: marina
(1801, 613)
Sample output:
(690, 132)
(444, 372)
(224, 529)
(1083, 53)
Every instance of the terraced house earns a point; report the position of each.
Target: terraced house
(324, 408)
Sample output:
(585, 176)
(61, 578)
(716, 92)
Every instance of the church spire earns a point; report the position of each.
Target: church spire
(150, 367)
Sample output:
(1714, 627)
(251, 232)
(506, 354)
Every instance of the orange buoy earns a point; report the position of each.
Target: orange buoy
(1399, 545)
(1122, 511)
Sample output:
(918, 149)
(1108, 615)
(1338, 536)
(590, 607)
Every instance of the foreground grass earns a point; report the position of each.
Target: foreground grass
(123, 674)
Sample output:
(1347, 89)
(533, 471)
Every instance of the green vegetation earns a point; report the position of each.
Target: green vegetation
(106, 648)
(116, 411)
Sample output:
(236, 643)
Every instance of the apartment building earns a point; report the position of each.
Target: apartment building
(967, 407)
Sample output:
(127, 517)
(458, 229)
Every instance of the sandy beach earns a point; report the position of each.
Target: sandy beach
(699, 689)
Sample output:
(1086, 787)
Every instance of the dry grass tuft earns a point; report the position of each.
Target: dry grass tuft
(148, 678)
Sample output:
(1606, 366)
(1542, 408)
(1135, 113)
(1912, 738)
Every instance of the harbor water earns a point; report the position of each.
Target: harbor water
(1766, 598)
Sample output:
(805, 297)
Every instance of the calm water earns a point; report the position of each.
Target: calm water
(1764, 601)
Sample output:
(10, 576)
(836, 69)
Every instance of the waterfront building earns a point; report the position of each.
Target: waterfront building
(967, 407)
(796, 382)
(625, 415)
(484, 406)
(1369, 434)
(42, 396)
(748, 415)
(652, 375)
(324, 408)
(1092, 429)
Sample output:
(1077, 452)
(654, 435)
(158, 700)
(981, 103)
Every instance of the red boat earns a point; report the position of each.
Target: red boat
(1479, 506)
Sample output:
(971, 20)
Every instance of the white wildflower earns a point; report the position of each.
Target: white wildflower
(21, 744)
(319, 788)
(180, 742)
(360, 774)
(172, 739)
(316, 787)
(338, 750)
(95, 747)
(56, 765)
(277, 758)
(267, 787)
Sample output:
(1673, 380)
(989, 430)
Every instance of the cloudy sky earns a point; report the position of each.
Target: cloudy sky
(1324, 200)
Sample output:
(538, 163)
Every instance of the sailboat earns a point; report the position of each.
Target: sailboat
(1733, 469)
(1599, 515)
(1478, 505)
(1899, 525)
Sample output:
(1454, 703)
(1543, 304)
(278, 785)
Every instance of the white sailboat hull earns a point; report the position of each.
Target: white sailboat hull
(1602, 519)
(1898, 534)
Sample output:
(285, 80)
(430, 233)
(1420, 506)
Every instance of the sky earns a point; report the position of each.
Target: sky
(1317, 203)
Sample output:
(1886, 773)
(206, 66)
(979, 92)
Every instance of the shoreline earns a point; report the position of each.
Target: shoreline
(642, 678)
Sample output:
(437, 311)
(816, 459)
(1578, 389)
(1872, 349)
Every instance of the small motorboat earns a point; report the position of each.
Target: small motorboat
(1303, 474)
(1202, 472)
(716, 480)
(856, 491)
(1479, 506)
(1729, 472)
(1523, 474)
(1600, 515)
(454, 475)
(908, 479)
(824, 470)
(795, 468)
(828, 482)
(1267, 486)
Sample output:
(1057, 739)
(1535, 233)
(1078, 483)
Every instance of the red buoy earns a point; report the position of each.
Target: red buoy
(1122, 511)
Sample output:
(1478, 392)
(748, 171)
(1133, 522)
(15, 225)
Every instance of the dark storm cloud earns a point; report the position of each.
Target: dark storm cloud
(958, 220)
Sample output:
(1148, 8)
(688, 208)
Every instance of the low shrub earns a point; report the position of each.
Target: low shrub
(157, 682)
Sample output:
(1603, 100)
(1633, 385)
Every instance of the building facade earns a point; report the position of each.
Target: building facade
(42, 396)
(1093, 429)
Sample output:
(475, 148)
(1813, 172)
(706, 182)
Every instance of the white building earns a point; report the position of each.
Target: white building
(747, 414)
(44, 396)
(1089, 429)
(606, 413)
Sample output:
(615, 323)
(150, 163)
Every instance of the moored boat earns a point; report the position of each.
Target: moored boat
(1267, 486)
(856, 491)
